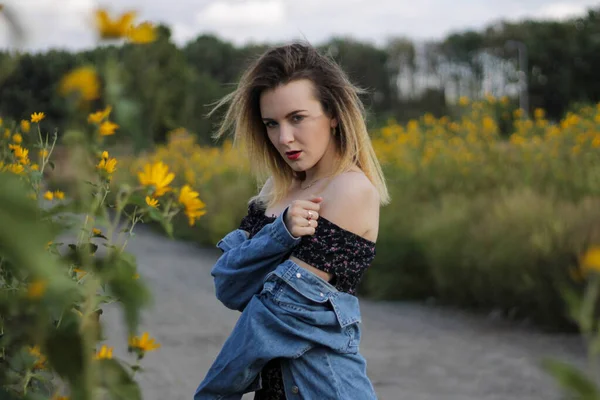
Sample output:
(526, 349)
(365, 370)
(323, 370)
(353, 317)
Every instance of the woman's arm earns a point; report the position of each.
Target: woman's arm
(239, 272)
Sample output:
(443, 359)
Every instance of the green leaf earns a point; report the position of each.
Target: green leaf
(137, 199)
(168, 227)
(117, 380)
(6, 395)
(52, 165)
(573, 301)
(155, 214)
(58, 209)
(130, 292)
(36, 176)
(23, 235)
(65, 352)
(588, 306)
(80, 255)
(33, 396)
(102, 299)
(572, 380)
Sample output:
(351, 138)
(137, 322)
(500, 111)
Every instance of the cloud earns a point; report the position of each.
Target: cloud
(67, 23)
(561, 11)
(48, 24)
(239, 14)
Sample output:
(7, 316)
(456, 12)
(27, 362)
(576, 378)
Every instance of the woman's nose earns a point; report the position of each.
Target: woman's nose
(286, 134)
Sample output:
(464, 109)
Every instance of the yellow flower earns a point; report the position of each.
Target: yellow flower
(142, 34)
(6, 133)
(40, 358)
(193, 206)
(36, 289)
(144, 343)
(539, 113)
(158, 176)
(17, 138)
(518, 113)
(107, 164)
(35, 167)
(59, 195)
(37, 117)
(21, 154)
(463, 101)
(25, 126)
(82, 80)
(43, 153)
(105, 353)
(591, 259)
(80, 273)
(113, 28)
(104, 155)
(1, 121)
(108, 128)
(15, 168)
(99, 116)
(49, 195)
(151, 202)
(490, 98)
(96, 232)
(35, 351)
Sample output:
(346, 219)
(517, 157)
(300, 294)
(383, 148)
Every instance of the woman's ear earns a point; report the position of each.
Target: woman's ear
(333, 123)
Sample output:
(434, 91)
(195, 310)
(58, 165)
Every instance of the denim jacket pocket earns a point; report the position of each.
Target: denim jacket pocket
(346, 308)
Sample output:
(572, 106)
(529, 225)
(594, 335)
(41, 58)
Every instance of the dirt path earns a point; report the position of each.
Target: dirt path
(413, 352)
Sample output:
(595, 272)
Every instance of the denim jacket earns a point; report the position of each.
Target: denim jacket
(288, 313)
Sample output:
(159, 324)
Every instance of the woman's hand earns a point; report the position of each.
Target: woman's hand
(302, 215)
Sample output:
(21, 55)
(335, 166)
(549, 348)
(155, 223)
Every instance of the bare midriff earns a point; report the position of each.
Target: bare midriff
(321, 274)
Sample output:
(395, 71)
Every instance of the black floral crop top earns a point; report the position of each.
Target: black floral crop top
(331, 249)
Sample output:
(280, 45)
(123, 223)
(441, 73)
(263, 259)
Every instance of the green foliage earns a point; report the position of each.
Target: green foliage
(62, 255)
(576, 383)
(51, 294)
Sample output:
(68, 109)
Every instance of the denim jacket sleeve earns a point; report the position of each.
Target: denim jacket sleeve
(239, 272)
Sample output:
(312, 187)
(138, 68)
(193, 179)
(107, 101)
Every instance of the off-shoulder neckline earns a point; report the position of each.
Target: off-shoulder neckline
(261, 211)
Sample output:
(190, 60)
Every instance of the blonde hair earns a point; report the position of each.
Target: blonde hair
(339, 99)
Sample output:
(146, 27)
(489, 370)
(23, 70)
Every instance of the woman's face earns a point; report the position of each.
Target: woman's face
(296, 124)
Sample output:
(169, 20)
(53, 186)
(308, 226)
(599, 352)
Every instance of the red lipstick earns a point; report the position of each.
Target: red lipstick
(293, 155)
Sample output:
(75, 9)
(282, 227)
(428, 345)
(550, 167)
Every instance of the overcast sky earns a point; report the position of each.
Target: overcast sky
(67, 23)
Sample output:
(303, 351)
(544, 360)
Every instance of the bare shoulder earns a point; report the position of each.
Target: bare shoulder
(352, 202)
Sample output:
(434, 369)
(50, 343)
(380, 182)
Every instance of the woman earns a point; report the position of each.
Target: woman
(308, 237)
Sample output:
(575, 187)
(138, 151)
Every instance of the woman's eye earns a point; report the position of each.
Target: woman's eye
(297, 118)
(270, 124)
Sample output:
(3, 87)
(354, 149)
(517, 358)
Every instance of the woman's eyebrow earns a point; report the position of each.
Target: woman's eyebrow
(286, 116)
